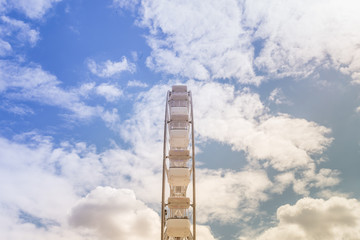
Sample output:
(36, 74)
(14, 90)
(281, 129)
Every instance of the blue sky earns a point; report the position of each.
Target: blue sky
(277, 110)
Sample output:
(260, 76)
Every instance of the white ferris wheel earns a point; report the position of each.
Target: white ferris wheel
(177, 210)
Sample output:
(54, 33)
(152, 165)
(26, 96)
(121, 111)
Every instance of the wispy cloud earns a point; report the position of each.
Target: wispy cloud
(125, 4)
(34, 9)
(136, 83)
(5, 48)
(31, 82)
(108, 68)
(277, 96)
(16, 31)
(18, 109)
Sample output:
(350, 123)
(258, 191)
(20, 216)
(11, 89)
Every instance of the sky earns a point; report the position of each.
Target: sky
(276, 99)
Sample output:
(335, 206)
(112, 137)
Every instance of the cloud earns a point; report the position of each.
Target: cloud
(34, 9)
(126, 4)
(108, 68)
(299, 37)
(290, 146)
(116, 214)
(28, 171)
(336, 218)
(16, 30)
(110, 92)
(212, 49)
(18, 109)
(237, 194)
(254, 41)
(136, 83)
(31, 165)
(277, 96)
(240, 120)
(5, 48)
(32, 83)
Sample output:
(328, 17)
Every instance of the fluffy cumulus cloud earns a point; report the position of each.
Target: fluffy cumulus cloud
(112, 213)
(116, 214)
(233, 194)
(32, 207)
(301, 36)
(317, 219)
(219, 47)
(109, 68)
(241, 120)
(253, 39)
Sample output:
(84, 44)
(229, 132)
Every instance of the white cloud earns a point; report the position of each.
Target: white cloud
(5, 48)
(126, 4)
(301, 36)
(317, 219)
(203, 232)
(136, 83)
(277, 96)
(18, 109)
(110, 92)
(233, 194)
(197, 44)
(21, 30)
(295, 38)
(30, 168)
(116, 214)
(34, 9)
(33, 83)
(241, 120)
(28, 178)
(2, 5)
(86, 88)
(144, 129)
(108, 68)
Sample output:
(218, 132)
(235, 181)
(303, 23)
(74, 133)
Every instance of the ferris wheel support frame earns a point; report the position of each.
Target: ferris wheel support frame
(163, 203)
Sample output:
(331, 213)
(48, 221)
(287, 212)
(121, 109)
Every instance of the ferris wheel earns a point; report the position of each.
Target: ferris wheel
(178, 167)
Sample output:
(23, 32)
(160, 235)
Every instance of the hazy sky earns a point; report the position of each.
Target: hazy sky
(276, 104)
